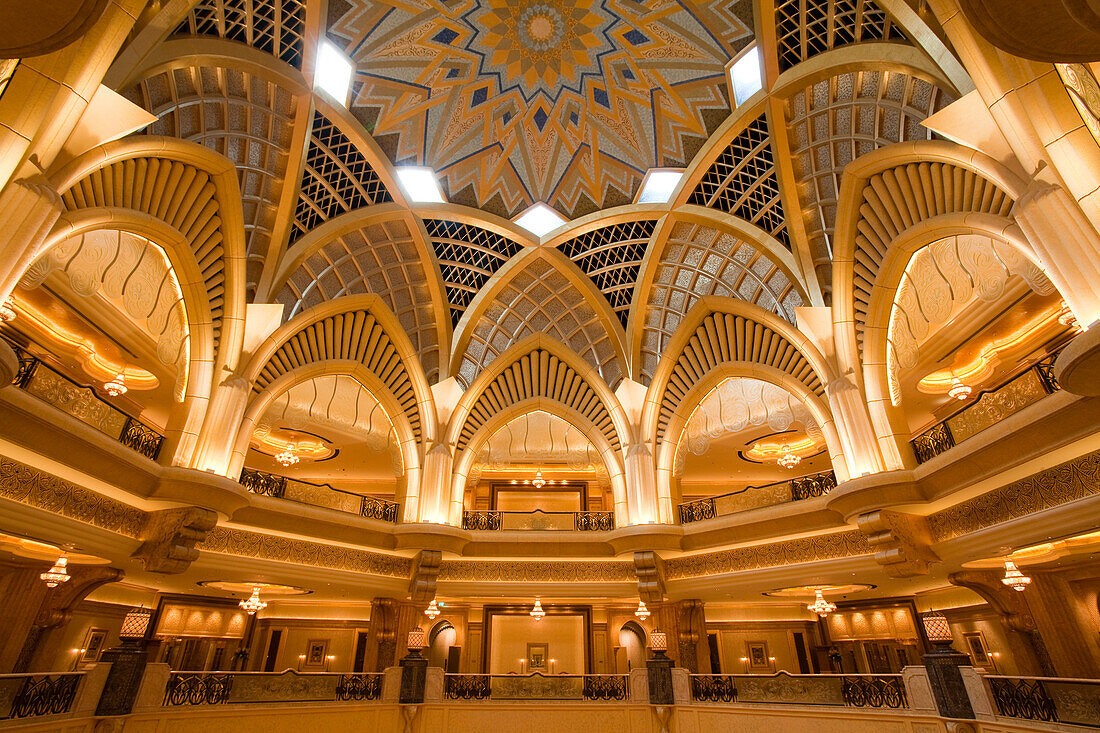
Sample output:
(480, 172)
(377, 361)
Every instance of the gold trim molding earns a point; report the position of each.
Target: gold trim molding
(777, 554)
(303, 552)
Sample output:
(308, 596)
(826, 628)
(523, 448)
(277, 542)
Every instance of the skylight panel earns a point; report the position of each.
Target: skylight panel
(420, 185)
(540, 219)
(658, 186)
(333, 73)
(745, 76)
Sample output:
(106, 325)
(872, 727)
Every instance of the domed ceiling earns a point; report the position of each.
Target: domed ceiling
(563, 101)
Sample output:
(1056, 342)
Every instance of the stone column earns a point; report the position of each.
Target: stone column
(436, 502)
(641, 486)
(945, 678)
(684, 624)
(28, 210)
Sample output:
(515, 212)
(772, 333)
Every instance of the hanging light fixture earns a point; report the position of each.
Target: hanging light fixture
(1065, 317)
(642, 613)
(7, 310)
(287, 457)
(1014, 578)
(537, 613)
(538, 481)
(958, 390)
(115, 387)
(58, 574)
(820, 606)
(253, 604)
(432, 610)
(788, 459)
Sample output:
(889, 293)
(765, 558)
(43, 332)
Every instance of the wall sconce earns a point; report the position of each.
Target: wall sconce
(301, 661)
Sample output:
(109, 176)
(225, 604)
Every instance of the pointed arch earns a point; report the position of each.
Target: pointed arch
(538, 291)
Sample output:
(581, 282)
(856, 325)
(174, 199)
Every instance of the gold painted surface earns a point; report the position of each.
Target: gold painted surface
(776, 554)
(536, 520)
(992, 407)
(286, 687)
(752, 499)
(537, 687)
(538, 571)
(302, 552)
(1084, 90)
(181, 619)
(81, 403)
(322, 496)
(1075, 702)
(783, 688)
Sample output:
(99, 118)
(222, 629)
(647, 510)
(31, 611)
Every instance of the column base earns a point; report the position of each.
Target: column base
(659, 670)
(946, 680)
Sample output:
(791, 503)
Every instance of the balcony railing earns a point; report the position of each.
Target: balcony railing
(1047, 699)
(781, 688)
(536, 686)
(32, 695)
(539, 520)
(322, 495)
(49, 385)
(219, 688)
(752, 497)
(989, 408)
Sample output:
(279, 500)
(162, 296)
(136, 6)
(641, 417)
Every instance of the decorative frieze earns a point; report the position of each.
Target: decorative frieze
(303, 552)
(537, 571)
(776, 554)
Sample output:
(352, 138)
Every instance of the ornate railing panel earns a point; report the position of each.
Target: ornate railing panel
(538, 520)
(713, 688)
(987, 409)
(28, 696)
(605, 687)
(198, 688)
(375, 508)
(265, 484)
(480, 520)
(594, 521)
(81, 402)
(320, 495)
(359, 687)
(1021, 698)
(875, 691)
(466, 687)
(753, 497)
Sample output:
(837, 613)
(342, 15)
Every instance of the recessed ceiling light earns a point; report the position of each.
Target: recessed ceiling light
(420, 185)
(658, 186)
(540, 219)
(745, 75)
(333, 72)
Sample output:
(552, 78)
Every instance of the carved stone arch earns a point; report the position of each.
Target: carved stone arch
(609, 454)
(30, 30)
(538, 291)
(697, 255)
(356, 328)
(192, 190)
(377, 250)
(259, 402)
(723, 331)
(539, 367)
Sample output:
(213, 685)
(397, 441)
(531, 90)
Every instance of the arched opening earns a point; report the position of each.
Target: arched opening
(441, 642)
(632, 644)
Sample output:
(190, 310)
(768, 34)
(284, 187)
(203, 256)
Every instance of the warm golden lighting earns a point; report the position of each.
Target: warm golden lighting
(936, 627)
(253, 604)
(115, 387)
(417, 639)
(1014, 578)
(658, 641)
(7, 310)
(432, 610)
(642, 612)
(538, 482)
(58, 574)
(537, 613)
(1065, 317)
(287, 457)
(820, 606)
(788, 460)
(958, 390)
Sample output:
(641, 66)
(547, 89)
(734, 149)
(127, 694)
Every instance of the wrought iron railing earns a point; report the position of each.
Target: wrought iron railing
(605, 687)
(750, 497)
(988, 408)
(80, 401)
(875, 691)
(489, 520)
(219, 688)
(713, 688)
(322, 495)
(536, 686)
(1023, 698)
(198, 688)
(466, 687)
(35, 695)
(357, 687)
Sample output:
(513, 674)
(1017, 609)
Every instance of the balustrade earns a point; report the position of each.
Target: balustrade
(482, 520)
(536, 686)
(321, 495)
(219, 688)
(782, 688)
(753, 497)
(28, 696)
(1047, 699)
(713, 688)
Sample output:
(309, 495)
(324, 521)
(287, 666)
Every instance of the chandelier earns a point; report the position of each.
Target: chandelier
(287, 457)
(537, 613)
(1014, 578)
(7, 310)
(538, 482)
(58, 574)
(642, 613)
(958, 390)
(788, 460)
(1065, 317)
(432, 610)
(115, 387)
(820, 606)
(253, 604)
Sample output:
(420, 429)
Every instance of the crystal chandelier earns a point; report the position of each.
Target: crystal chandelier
(116, 387)
(958, 390)
(820, 606)
(432, 610)
(538, 482)
(1065, 317)
(253, 604)
(642, 613)
(1014, 578)
(7, 310)
(58, 574)
(287, 457)
(788, 460)
(537, 613)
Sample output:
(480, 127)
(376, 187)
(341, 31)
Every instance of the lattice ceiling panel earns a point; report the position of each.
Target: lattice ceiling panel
(540, 299)
(243, 117)
(837, 120)
(336, 178)
(742, 181)
(700, 261)
(805, 28)
(468, 256)
(612, 256)
(381, 259)
(274, 26)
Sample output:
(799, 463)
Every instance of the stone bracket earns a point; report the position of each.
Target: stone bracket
(650, 570)
(424, 575)
(169, 537)
(902, 542)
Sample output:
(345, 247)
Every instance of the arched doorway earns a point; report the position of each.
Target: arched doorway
(632, 641)
(441, 640)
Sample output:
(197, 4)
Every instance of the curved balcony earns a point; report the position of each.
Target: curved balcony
(755, 497)
(538, 520)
